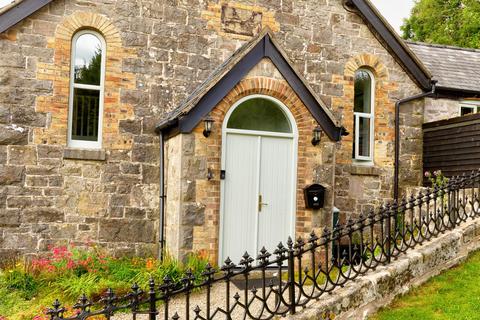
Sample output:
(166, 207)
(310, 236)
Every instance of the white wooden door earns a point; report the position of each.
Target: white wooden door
(276, 190)
(258, 194)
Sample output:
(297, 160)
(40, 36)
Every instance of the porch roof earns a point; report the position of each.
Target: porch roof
(202, 100)
(18, 10)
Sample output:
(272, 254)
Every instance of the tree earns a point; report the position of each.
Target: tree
(90, 74)
(449, 22)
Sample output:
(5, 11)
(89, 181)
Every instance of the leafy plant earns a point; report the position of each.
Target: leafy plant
(26, 288)
(437, 179)
(19, 279)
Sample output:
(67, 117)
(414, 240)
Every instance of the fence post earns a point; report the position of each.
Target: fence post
(291, 275)
(388, 231)
(152, 301)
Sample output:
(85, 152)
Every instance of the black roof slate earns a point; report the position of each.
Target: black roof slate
(453, 67)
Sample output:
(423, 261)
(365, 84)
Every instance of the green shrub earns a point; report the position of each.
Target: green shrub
(21, 281)
(27, 289)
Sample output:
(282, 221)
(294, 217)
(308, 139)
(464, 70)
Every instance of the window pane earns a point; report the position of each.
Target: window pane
(466, 110)
(88, 59)
(363, 92)
(364, 137)
(85, 114)
(259, 114)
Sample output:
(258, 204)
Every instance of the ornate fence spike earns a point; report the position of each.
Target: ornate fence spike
(109, 300)
(361, 219)
(228, 266)
(299, 244)
(280, 252)
(246, 260)
(404, 202)
(82, 304)
(254, 290)
(57, 311)
(420, 197)
(350, 225)
(197, 309)
(151, 284)
(167, 285)
(371, 215)
(135, 297)
(264, 256)
(188, 279)
(326, 233)
(271, 284)
(290, 243)
(306, 270)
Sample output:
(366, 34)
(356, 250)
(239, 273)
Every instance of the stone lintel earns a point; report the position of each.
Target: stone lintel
(363, 170)
(84, 154)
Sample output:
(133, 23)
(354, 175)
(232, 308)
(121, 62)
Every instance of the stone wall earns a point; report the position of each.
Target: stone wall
(441, 109)
(365, 295)
(51, 194)
(158, 52)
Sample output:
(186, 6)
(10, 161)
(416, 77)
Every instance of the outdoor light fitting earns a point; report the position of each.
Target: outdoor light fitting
(317, 135)
(208, 123)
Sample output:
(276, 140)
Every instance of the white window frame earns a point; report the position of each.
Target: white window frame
(469, 104)
(371, 116)
(82, 144)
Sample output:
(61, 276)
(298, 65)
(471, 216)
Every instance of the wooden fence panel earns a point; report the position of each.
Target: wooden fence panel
(452, 145)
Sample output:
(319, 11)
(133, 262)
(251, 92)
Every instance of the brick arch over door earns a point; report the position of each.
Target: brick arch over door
(58, 71)
(205, 237)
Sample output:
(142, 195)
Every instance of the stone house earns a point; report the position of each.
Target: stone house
(196, 125)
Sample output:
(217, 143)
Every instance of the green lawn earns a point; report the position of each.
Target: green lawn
(453, 295)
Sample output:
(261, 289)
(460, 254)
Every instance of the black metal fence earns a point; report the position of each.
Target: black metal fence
(285, 280)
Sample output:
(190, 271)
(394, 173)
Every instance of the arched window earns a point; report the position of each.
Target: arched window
(86, 90)
(364, 115)
(259, 114)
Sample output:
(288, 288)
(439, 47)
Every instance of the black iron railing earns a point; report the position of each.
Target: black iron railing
(284, 281)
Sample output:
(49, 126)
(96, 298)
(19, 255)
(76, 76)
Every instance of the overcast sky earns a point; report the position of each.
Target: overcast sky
(394, 10)
(4, 2)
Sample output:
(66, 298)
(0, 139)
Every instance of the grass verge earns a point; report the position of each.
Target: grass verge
(454, 294)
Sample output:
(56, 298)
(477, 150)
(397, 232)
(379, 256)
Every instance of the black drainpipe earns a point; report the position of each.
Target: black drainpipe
(162, 197)
(397, 133)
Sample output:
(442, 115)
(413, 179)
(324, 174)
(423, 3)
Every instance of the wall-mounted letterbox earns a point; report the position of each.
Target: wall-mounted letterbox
(314, 196)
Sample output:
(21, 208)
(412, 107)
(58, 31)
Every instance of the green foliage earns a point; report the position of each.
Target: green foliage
(454, 294)
(91, 74)
(437, 179)
(448, 22)
(27, 288)
(19, 280)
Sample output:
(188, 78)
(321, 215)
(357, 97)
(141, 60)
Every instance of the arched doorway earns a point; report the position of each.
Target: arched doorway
(259, 159)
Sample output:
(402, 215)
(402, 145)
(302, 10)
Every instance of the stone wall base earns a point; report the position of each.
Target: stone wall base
(367, 294)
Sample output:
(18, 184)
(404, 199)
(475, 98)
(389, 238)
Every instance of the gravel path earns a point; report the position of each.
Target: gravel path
(218, 294)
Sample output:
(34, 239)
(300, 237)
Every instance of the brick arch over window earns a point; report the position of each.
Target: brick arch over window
(384, 108)
(367, 61)
(58, 71)
(206, 236)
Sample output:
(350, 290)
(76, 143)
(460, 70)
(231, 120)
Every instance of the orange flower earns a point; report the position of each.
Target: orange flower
(150, 264)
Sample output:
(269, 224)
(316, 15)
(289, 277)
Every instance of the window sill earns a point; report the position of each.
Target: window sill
(363, 169)
(84, 154)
